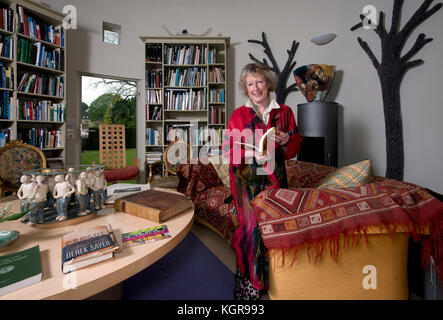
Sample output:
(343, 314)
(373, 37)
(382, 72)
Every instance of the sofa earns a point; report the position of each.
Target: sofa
(327, 241)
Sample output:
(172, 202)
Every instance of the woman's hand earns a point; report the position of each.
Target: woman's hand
(282, 138)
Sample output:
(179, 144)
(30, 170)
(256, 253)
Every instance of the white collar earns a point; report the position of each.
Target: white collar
(272, 105)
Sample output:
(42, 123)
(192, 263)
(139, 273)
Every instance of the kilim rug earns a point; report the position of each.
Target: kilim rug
(188, 272)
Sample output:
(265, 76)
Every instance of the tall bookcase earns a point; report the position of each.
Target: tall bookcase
(185, 93)
(32, 83)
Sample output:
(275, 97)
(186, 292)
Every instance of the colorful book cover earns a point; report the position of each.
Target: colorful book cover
(143, 236)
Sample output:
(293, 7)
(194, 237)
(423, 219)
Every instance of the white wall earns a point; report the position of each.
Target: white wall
(356, 86)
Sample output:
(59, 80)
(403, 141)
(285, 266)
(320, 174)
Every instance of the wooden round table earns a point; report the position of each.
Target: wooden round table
(96, 278)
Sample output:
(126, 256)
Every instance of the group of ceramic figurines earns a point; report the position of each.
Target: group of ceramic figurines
(41, 192)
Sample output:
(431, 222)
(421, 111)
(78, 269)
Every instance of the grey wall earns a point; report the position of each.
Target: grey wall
(356, 86)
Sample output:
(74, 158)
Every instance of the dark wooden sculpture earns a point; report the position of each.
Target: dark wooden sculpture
(391, 70)
(282, 91)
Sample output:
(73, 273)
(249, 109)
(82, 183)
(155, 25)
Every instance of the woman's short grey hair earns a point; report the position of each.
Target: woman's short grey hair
(257, 68)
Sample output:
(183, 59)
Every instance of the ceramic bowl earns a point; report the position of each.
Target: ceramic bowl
(7, 237)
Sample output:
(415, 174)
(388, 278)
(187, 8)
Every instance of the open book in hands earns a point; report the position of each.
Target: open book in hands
(262, 144)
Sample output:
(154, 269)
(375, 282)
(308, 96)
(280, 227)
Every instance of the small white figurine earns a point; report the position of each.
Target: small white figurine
(71, 178)
(82, 193)
(38, 200)
(24, 192)
(62, 193)
(89, 181)
(50, 181)
(99, 189)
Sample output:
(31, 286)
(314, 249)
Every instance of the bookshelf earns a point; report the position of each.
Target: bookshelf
(32, 83)
(185, 93)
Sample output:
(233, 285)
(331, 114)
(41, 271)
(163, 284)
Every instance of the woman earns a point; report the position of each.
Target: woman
(260, 112)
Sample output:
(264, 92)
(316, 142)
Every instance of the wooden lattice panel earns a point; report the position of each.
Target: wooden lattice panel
(112, 146)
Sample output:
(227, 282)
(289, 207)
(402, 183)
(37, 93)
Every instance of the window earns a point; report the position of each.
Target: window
(111, 33)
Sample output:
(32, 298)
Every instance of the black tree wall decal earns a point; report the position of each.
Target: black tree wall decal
(391, 70)
(282, 91)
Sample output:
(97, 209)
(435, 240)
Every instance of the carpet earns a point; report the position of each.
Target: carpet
(188, 272)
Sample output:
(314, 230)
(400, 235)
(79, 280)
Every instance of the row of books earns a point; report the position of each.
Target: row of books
(153, 96)
(205, 136)
(177, 131)
(217, 95)
(184, 99)
(5, 136)
(41, 137)
(187, 77)
(153, 52)
(185, 54)
(215, 115)
(41, 110)
(38, 54)
(42, 84)
(6, 76)
(40, 30)
(212, 55)
(5, 104)
(7, 19)
(6, 46)
(153, 137)
(153, 78)
(216, 74)
(153, 112)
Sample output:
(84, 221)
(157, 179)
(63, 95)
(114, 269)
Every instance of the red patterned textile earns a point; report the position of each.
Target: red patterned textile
(289, 218)
(201, 183)
(211, 208)
(196, 178)
(124, 174)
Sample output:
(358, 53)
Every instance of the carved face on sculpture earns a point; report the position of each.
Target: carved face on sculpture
(59, 178)
(25, 179)
(314, 80)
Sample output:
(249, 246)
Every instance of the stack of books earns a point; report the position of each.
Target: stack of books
(87, 246)
(153, 156)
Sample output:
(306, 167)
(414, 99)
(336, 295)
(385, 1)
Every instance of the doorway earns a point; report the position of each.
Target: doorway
(110, 101)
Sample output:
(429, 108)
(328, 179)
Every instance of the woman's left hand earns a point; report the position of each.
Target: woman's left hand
(282, 138)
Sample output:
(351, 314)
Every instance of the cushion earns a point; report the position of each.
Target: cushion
(15, 161)
(303, 174)
(354, 175)
(128, 173)
(221, 168)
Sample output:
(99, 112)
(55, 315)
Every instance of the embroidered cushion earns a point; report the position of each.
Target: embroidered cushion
(354, 175)
(221, 168)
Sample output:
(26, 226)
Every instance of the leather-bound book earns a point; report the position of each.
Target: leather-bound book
(154, 205)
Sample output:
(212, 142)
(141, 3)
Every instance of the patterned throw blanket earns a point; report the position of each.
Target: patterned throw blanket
(290, 218)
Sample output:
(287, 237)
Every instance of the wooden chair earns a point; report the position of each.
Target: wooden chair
(113, 154)
(182, 152)
(15, 158)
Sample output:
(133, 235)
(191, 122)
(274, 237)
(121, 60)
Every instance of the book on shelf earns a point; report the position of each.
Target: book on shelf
(217, 95)
(6, 77)
(261, 145)
(41, 84)
(35, 28)
(41, 110)
(5, 136)
(153, 137)
(20, 269)
(153, 112)
(186, 77)
(42, 138)
(153, 78)
(185, 99)
(6, 46)
(153, 96)
(216, 74)
(185, 54)
(154, 205)
(38, 54)
(7, 19)
(87, 246)
(153, 52)
(138, 237)
(5, 104)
